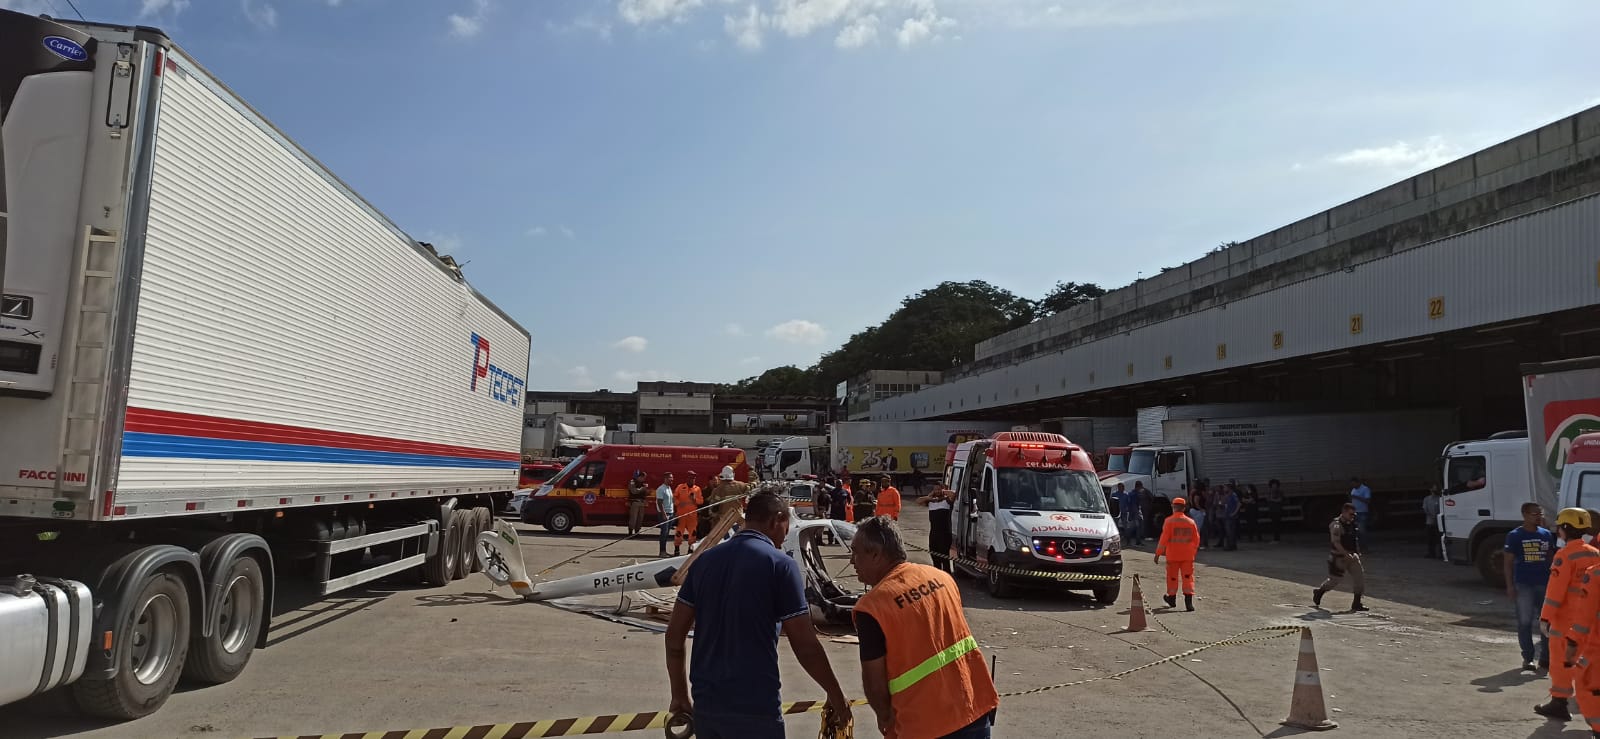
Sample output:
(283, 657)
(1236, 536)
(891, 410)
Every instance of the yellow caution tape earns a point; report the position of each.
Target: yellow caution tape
(1020, 571)
(625, 722)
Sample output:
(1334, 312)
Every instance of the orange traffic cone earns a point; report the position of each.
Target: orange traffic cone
(1306, 708)
(1136, 611)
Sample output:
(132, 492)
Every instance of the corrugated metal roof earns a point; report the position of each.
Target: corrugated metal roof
(1540, 263)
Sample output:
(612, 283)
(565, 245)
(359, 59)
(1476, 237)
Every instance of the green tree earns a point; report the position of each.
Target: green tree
(788, 380)
(1067, 294)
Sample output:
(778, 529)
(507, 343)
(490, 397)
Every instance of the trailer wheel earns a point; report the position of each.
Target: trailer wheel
(149, 656)
(222, 656)
(999, 586)
(441, 568)
(560, 520)
(1490, 559)
(485, 521)
(1108, 594)
(464, 522)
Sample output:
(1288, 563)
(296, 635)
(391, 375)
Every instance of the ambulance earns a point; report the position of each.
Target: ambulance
(592, 490)
(1032, 501)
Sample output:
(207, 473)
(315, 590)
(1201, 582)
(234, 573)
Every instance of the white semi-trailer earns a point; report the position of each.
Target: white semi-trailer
(218, 365)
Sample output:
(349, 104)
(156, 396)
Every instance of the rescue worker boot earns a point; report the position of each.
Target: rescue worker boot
(1555, 710)
(1316, 597)
(1170, 600)
(1188, 602)
(676, 551)
(1355, 605)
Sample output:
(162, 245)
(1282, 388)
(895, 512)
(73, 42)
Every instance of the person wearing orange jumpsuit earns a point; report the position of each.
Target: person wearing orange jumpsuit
(1180, 542)
(686, 500)
(888, 498)
(1586, 629)
(1560, 612)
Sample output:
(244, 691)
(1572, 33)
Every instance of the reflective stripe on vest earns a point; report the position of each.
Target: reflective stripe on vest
(932, 664)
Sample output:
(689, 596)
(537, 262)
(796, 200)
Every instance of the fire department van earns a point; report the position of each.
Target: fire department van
(1033, 501)
(592, 490)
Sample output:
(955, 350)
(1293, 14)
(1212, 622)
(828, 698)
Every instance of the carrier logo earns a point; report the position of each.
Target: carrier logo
(50, 475)
(65, 48)
(1564, 421)
(503, 386)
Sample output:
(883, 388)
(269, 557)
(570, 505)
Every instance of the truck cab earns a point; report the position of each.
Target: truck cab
(1168, 471)
(1580, 478)
(794, 458)
(1031, 501)
(1484, 486)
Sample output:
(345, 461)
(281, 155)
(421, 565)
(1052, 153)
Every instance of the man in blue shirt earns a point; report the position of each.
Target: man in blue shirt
(737, 597)
(1529, 549)
(1128, 515)
(1361, 496)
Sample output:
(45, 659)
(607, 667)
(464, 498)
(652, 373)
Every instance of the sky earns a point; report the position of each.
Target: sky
(702, 189)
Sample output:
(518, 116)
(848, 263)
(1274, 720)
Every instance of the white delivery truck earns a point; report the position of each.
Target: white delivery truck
(793, 458)
(1487, 481)
(1312, 455)
(218, 364)
(562, 435)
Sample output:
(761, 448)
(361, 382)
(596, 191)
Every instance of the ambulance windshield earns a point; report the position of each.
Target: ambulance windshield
(1030, 489)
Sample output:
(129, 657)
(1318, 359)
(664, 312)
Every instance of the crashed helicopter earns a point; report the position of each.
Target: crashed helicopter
(831, 603)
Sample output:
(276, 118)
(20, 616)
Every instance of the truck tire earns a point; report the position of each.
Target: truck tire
(149, 654)
(561, 520)
(1108, 594)
(466, 522)
(999, 585)
(218, 658)
(1490, 559)
(441, 568)
(485, 523)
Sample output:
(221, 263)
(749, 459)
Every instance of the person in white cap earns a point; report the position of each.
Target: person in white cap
(721, 497)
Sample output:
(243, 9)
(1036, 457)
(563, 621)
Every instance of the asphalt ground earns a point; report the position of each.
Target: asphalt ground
(1436, 656)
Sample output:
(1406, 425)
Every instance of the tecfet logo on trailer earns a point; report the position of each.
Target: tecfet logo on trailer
(503, 387)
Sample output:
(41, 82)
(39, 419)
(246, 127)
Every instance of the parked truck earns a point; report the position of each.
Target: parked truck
(1096, 435)
(903, 449)
(1312, 455)
(1486, 481)
(219, 366)
(562, 435)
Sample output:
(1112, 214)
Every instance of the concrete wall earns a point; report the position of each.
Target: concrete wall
(1553, 164)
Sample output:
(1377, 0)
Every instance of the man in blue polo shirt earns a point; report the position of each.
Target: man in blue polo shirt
(1529, 549)
(737, 597)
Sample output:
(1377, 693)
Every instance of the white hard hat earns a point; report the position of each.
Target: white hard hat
(727, 472)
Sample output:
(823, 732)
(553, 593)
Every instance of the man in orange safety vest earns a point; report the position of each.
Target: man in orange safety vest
(1180, 543)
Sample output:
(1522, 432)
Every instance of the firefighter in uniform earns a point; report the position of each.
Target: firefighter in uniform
(686, 501)
(1180, 543)
(721, 498)
(888, 498)
(920, 666)
(1586, 634)
(1560, 611)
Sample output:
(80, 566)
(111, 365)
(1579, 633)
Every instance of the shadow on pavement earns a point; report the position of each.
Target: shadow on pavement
(1509, 678)
(461, 599)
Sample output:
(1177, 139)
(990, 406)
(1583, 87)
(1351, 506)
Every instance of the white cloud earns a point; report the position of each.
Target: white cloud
(746, 30)
(633, 344)
(569, 233)
(733, 329)
(798, 331)
(858, 33)
(640, 375)
(467, 26)
(1099, 13)
(1426, 154)
(536, 232)
(643, 12)
(929, 26)
(152, 8)
(581, 377)
(262, 14)
(750, 360)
